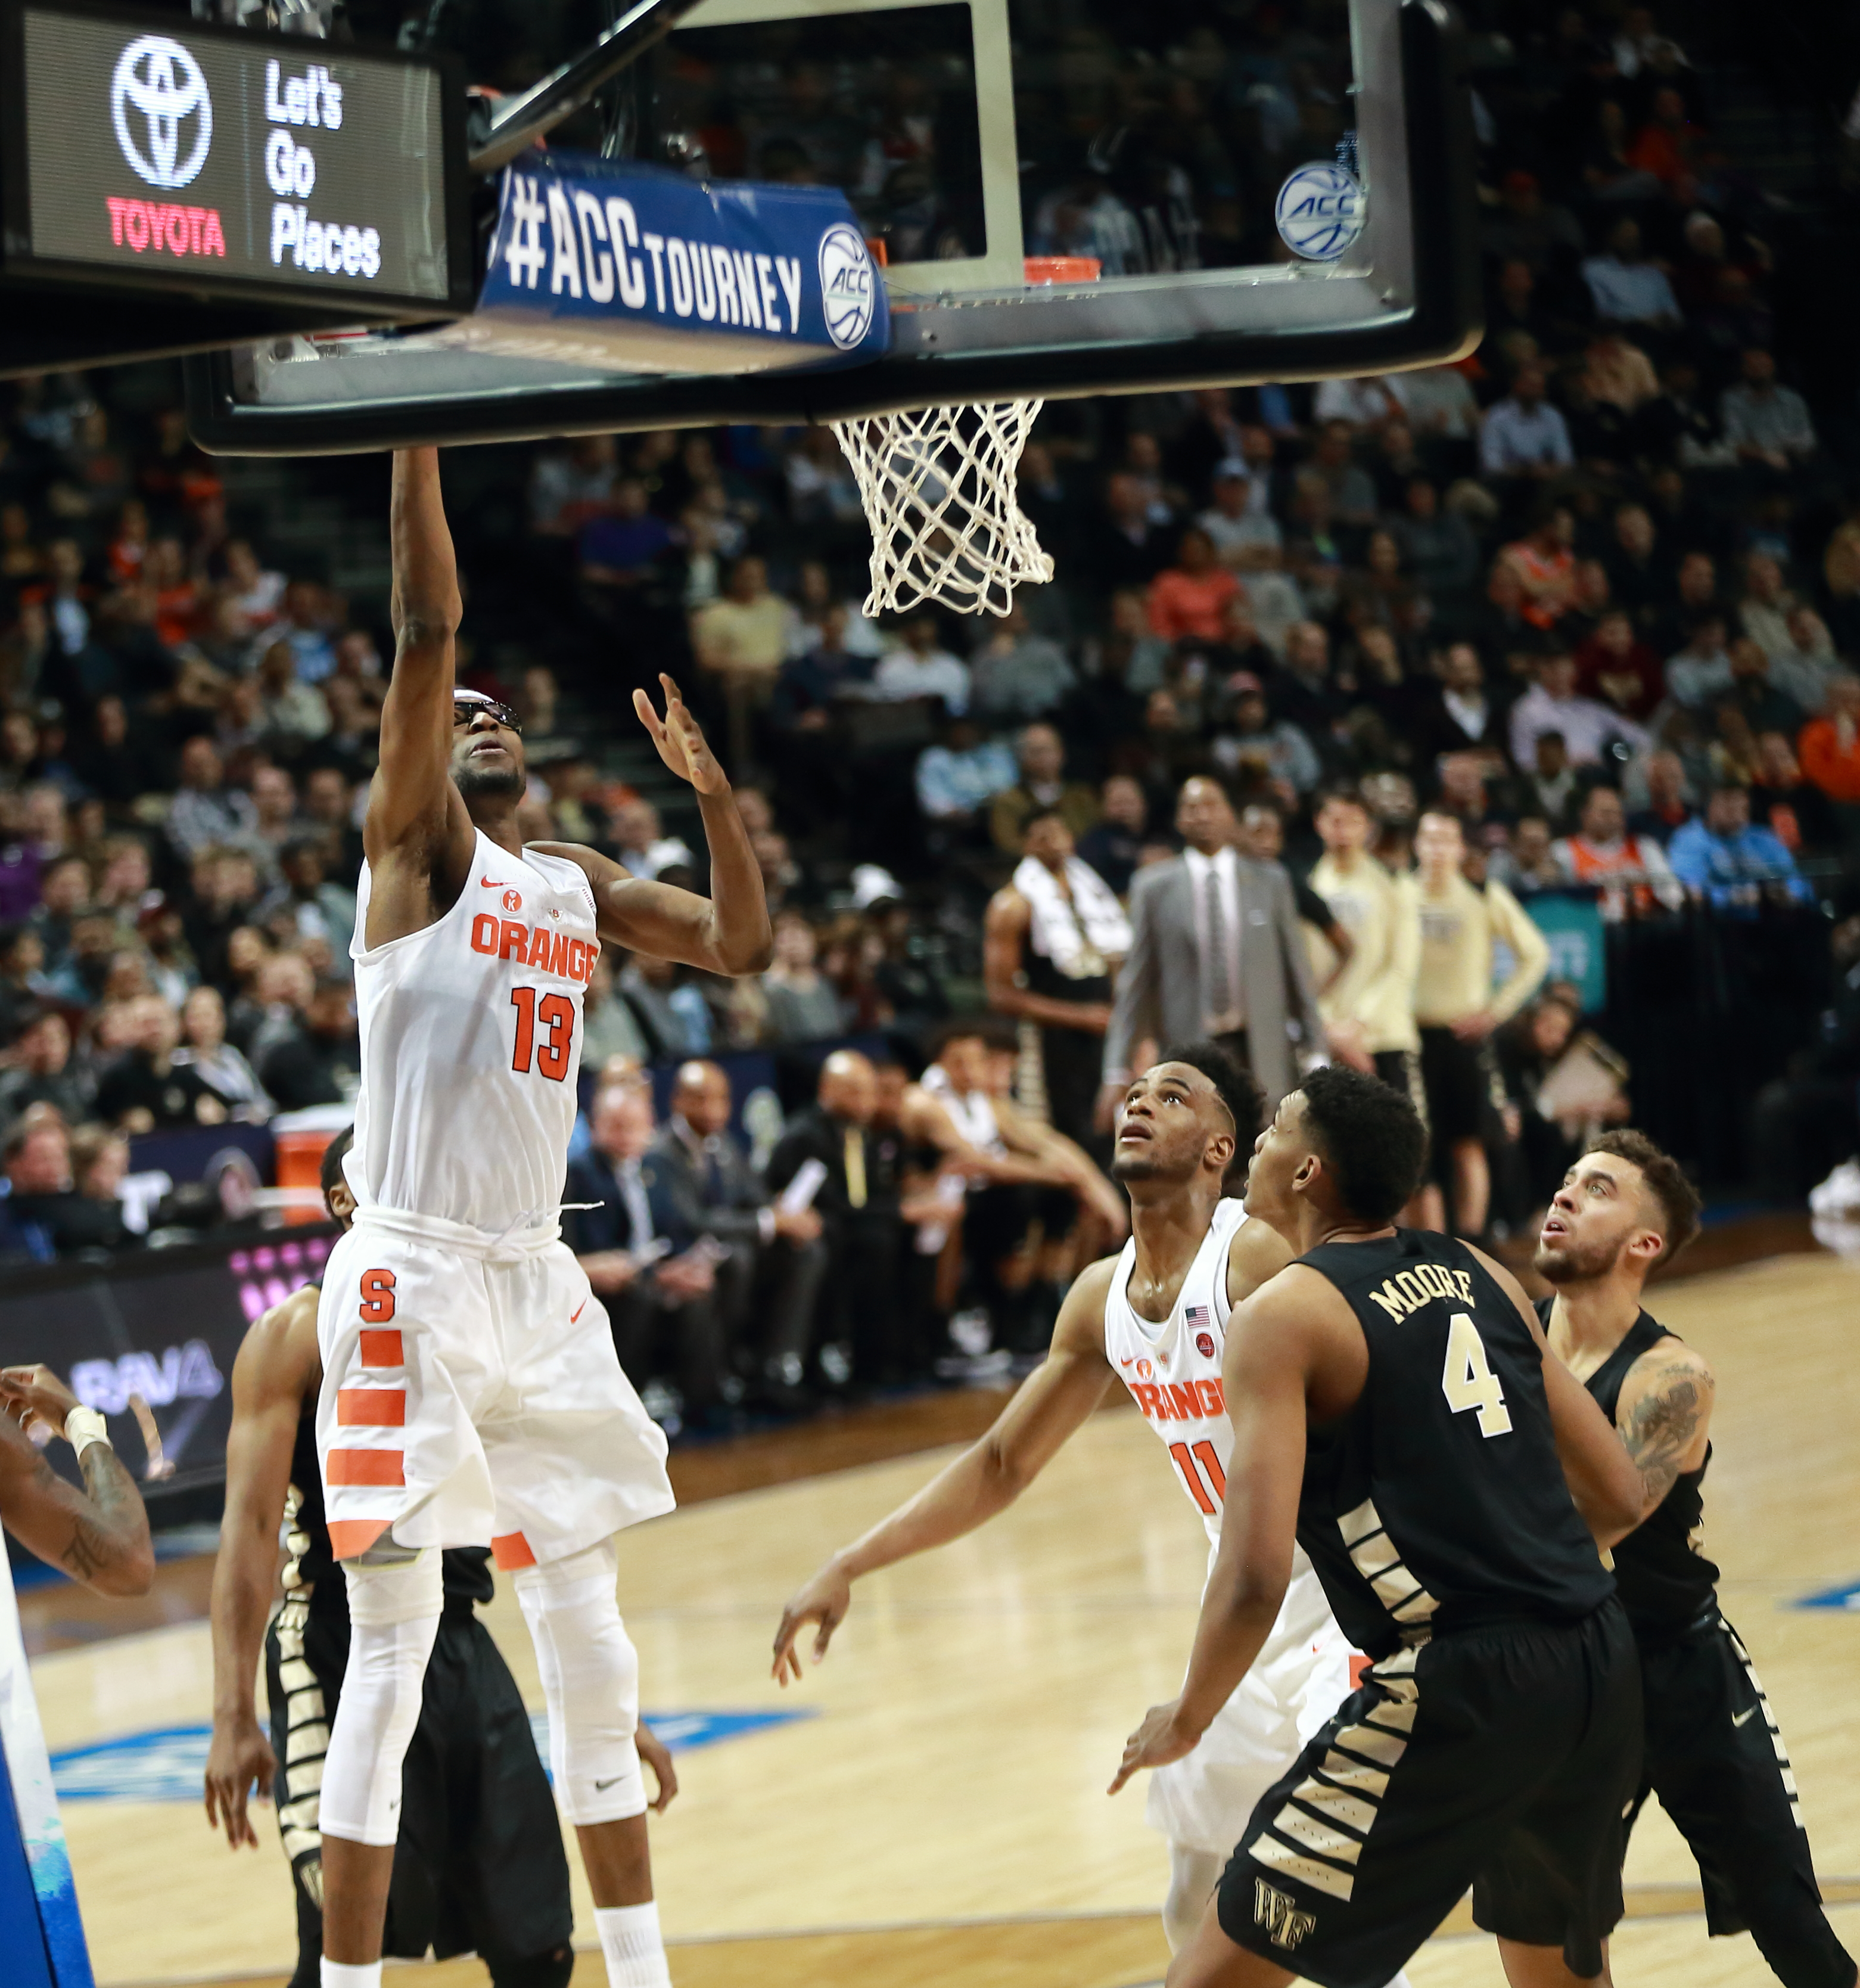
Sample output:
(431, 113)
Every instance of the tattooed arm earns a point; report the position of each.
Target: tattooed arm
(1664, 1416)
(100, 1535)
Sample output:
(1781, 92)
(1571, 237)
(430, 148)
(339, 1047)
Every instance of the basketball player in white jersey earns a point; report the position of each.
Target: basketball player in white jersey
(1155, 1318)
(471, 1394)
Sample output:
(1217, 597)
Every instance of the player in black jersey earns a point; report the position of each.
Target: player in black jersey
(1714, 1755)
(479, 1865)
(1394, 1411)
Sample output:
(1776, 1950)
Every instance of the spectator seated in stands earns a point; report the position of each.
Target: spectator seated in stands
(1529, 865)
(1615, 668)
(659, 1287)
(1115, 845)
(744, 638)
(1830, 749)
(1017, 675)
(1191, 597)
(205, 813)
(803, 1006)
(620, 544)
(1753, 694)
(1732, 866)
(1585, 726)
(919, 666)
(306, 1050)
(1768, 426)
(1632, 875)
(39, 1071)
(1699, 673)
(639, 840)
(1241, 530)
(812, 681)
(1041, 788)
(306, 906)
(958, 778)
(205, 1050)
(40, 1198)
(1544, 564)
(1523, 439)
(144, 1089)
(1437, 545)
(1625, 287)
(1805, 819)
(1257, 750)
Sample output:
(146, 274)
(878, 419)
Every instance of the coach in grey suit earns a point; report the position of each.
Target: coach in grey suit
(1215, 950)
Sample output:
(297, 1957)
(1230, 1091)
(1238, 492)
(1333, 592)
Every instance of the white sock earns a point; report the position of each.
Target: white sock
(339, 1974)
(630, 1939)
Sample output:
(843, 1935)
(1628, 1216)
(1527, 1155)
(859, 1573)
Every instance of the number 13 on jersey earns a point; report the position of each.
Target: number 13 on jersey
(554, 1014)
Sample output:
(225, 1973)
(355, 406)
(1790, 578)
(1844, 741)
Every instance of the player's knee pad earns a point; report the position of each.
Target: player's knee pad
(591, 1680)
(554, 1969)
(1193, 1875)
(394, 1614)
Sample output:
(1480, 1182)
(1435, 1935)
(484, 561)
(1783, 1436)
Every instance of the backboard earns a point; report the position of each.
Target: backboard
(1164, 142)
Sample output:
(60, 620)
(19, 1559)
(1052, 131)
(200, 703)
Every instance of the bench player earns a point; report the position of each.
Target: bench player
(1715, 1756)
(479, 1867)
(1395, 1415)
(1154, 1318)
(471, 1394)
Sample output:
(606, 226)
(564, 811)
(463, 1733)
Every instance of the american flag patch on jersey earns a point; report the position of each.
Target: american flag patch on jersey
(1197, 1315)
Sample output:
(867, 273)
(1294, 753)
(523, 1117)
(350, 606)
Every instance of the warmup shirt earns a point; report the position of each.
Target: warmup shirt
(1495, 1741)
(1173, 1371)
(1458, 929)
(1376, 986)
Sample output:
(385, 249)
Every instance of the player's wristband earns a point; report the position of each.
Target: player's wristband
(84, 1426)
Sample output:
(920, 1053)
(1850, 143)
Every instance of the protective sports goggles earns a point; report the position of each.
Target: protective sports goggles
(466, 708)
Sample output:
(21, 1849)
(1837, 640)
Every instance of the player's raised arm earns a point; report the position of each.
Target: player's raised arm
(413, 801)
(1603, 1479)
(1272, 1345)
(276, 1366)
(1053, 1401)
(726, 932)
(100, 1535)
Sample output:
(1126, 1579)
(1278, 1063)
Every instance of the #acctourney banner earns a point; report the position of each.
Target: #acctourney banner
(605, 262)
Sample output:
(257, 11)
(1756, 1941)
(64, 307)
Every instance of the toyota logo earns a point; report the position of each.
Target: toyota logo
(160, 80)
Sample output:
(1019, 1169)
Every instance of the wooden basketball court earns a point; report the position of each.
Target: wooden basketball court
(940, 1816)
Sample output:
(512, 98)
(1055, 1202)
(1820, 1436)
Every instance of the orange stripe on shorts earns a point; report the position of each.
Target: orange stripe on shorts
(382, 1349)
(365, 1467)
(349, 1537)
(371, 1407)
(511, 1551)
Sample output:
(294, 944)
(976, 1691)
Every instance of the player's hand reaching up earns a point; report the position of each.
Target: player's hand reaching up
(240, 1756)
(1155, 1743)
(680, 740)
(824, 1599)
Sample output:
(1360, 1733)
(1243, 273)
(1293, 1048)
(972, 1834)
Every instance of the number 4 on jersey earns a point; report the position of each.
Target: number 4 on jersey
(1467, 1382)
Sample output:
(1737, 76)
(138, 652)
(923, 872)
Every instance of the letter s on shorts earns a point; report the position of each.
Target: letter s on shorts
(377, 1297)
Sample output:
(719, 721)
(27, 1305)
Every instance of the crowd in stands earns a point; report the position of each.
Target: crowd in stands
(1334, 683)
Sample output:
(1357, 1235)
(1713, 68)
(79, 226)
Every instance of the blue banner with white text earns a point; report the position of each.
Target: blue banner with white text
(607, 262)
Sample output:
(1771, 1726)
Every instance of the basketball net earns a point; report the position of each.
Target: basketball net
(938, 486)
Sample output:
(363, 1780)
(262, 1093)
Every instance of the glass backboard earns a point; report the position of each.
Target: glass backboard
(1161, 143)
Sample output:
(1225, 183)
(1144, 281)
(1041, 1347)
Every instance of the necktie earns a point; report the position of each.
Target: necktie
(1219, 993)
(638, 1209)
(856, 1168)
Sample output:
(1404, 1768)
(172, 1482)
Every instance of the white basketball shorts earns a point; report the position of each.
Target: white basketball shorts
(1203, 1800)
(471, 1396)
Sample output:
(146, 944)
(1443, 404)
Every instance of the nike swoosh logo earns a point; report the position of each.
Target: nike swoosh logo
(577, 1312)
(1126, 1360)
(1743, 1718)
(601, 1787)
(489, 885)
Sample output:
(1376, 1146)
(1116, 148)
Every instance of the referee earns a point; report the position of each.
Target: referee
(1457, 1007)
(478, 1865)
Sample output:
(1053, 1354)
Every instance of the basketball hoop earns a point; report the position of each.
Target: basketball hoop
(938, 486)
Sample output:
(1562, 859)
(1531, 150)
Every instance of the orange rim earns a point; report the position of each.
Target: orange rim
(1042, 269)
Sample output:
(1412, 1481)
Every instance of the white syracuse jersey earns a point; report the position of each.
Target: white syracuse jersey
(471, 1039)
(1302, 1673)
(1173, 1370)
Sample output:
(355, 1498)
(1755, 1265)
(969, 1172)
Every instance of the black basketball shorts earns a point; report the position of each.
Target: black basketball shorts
(1458, 1079)
(1482, 1755)
(1400, 1069)
(479, 1866)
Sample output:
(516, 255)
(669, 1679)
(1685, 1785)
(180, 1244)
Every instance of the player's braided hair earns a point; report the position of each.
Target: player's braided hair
(1666, 1181)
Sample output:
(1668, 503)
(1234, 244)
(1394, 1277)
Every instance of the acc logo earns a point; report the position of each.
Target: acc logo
(1204, 1344)
(160, 82)
(513, 901)
(846, 284)
(1321, 211)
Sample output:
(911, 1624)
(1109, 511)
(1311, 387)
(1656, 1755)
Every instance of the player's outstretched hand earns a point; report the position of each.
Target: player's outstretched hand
(824, 1599)
(657, 1756)
(1155, 1743)
(240, 1755)
(35, 1394)
(679, 738)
